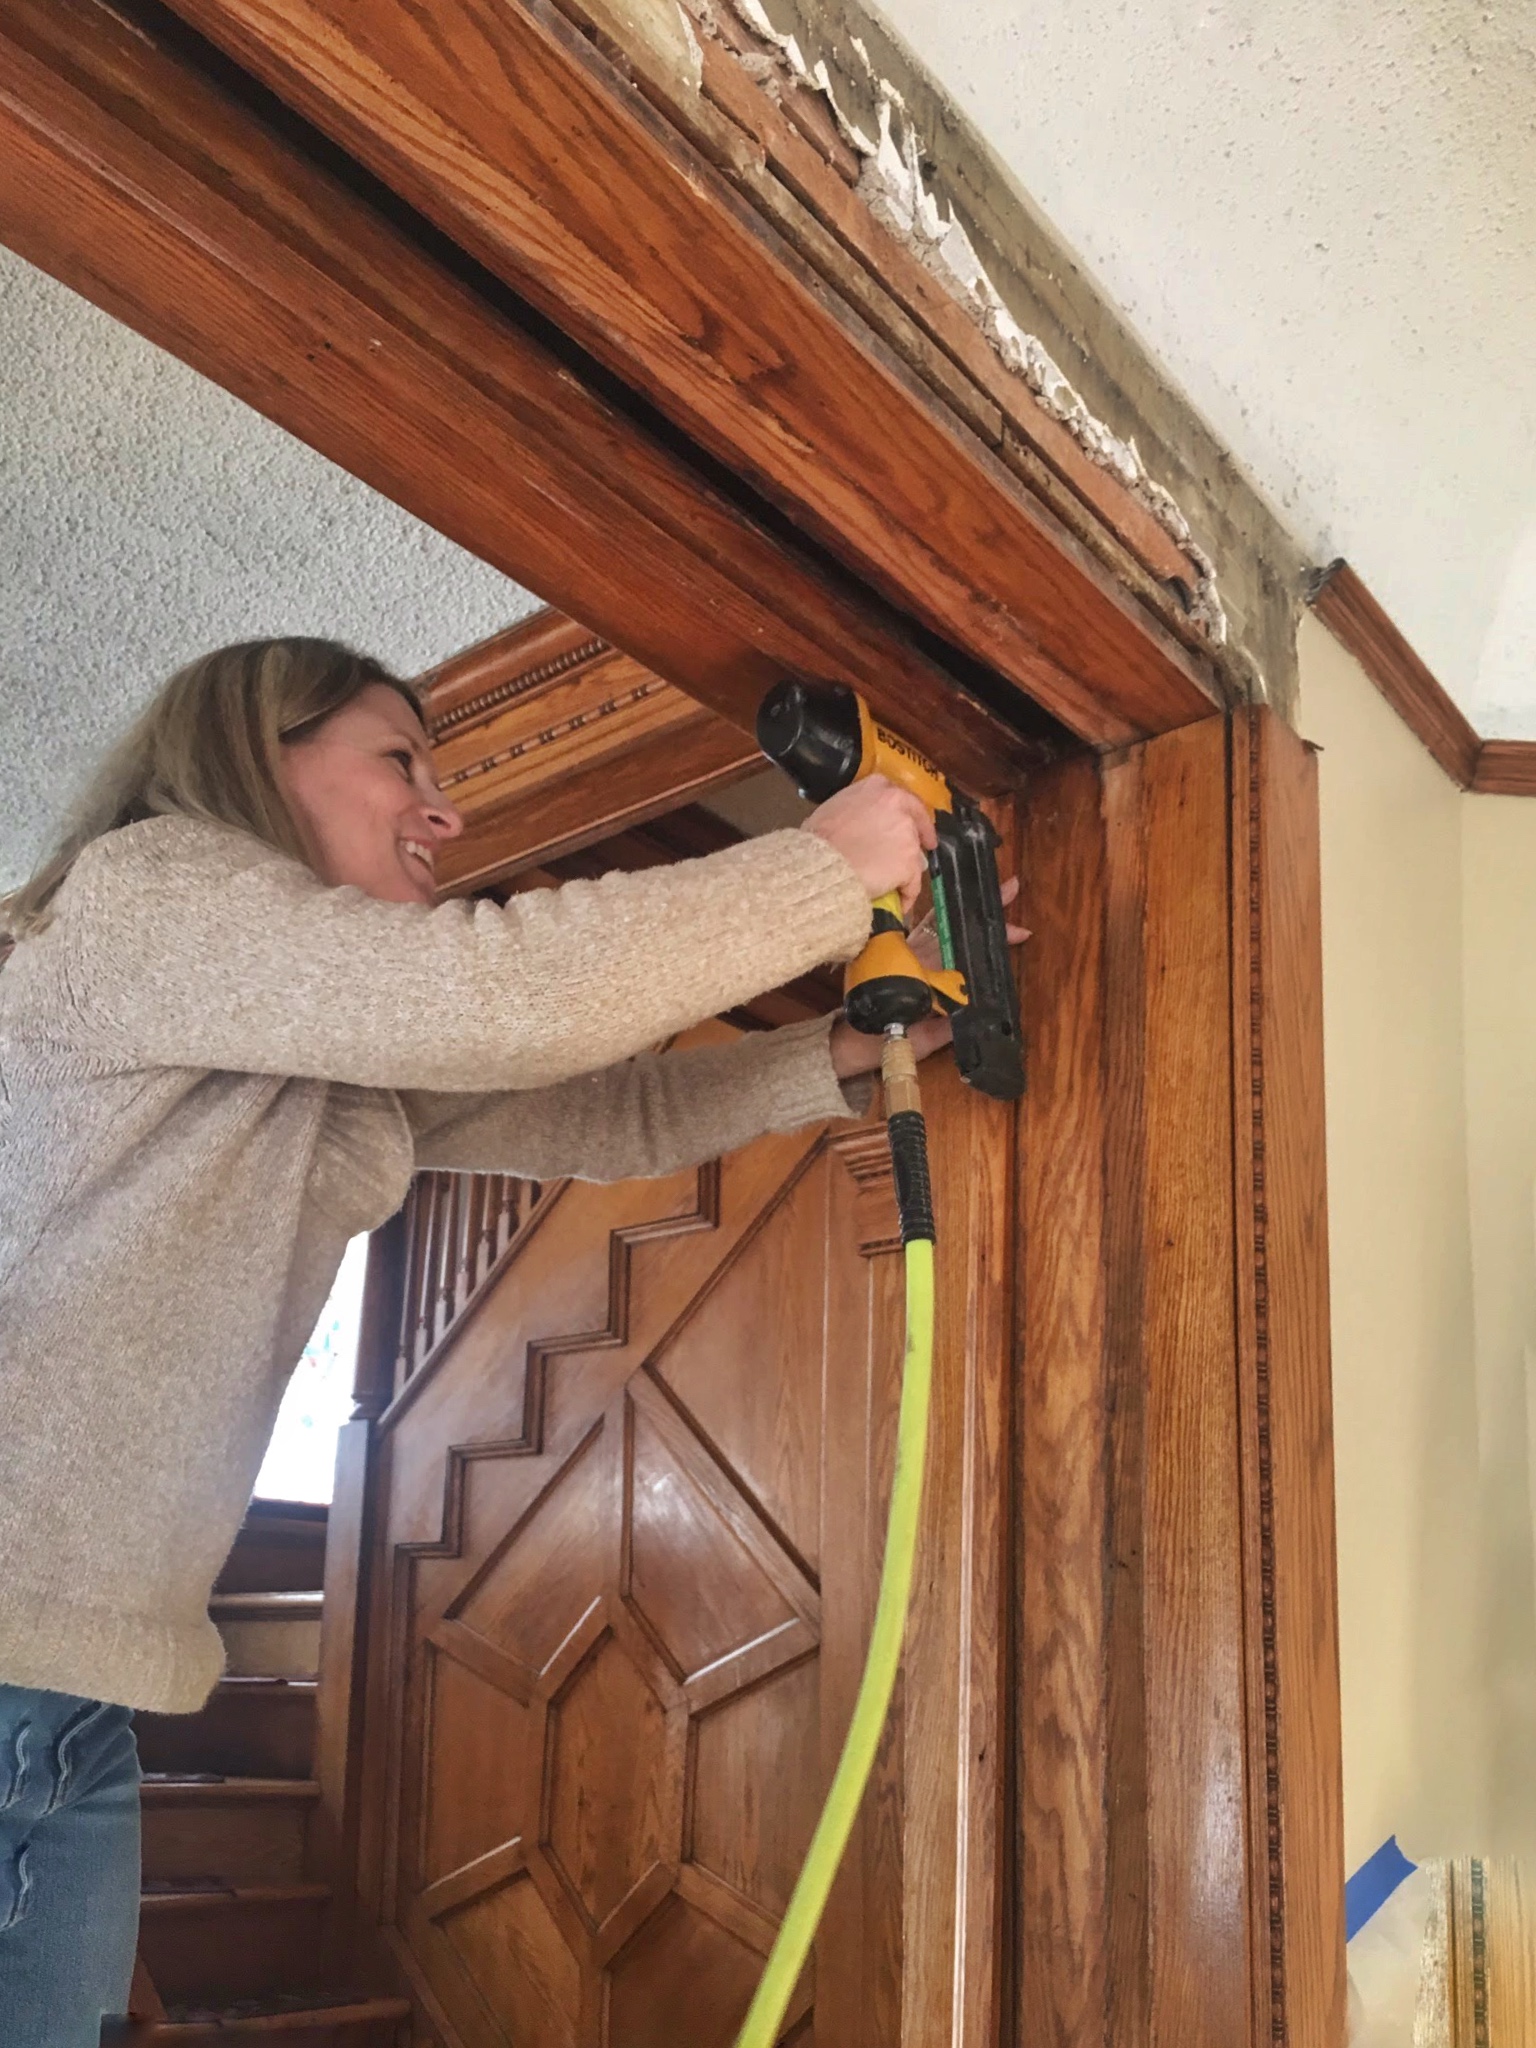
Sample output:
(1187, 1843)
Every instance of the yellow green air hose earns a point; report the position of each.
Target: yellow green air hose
(792, 1944)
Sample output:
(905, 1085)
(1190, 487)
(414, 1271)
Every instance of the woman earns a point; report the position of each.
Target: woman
(232, 1026)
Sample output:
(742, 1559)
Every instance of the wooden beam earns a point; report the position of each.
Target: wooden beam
(505, 125)
(145, 172)
(1361, 625)
(547, 739)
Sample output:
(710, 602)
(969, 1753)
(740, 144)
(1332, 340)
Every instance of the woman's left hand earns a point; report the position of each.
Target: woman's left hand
(856, 1052)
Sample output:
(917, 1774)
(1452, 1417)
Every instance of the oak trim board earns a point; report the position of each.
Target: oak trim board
(1362, 625)
(1505, 768)
(1285, 1399)
(1177, 1655)
(515, 135)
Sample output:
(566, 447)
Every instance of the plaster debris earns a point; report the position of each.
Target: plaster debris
(892, 185)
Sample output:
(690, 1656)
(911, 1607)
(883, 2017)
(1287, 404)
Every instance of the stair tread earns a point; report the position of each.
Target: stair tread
(211, 1788)
(256, 1684)
(265, 1606)
(169, 1891)
(276, 2015)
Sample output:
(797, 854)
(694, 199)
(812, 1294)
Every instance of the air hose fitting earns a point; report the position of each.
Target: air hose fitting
(908, 1135)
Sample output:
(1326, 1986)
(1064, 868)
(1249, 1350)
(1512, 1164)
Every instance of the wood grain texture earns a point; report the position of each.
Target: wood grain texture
(1505, 768)
(1063, 1923)
(1132, 1761)
(897, 294)
(1193, 1616)
(506, 127)
(1290, 1561)
(953, 1706)
(1360, 624)
(782, 151)
(179, 200)
(1180, 1874)
(1132, 1909)
(631, 1568)
(1510, 1936)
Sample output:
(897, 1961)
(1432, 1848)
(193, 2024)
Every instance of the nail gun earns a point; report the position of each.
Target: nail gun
(824, 735)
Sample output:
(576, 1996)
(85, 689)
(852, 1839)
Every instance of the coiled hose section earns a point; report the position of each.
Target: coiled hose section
(909, 1157)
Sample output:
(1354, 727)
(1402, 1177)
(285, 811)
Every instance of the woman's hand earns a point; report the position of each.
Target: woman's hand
(856, 1052)
(883, 833)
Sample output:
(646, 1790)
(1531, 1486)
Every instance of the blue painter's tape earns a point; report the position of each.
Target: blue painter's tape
(1373, 1884)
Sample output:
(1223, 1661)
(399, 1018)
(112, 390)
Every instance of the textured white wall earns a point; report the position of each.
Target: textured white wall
(146, 517)
(1322, 218)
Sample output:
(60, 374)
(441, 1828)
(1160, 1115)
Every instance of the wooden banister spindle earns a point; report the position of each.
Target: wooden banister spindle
(424, 1328)
(415, 1254)
(466, 1235)
(447, 1252)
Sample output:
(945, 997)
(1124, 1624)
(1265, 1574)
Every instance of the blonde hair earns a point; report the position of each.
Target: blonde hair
(208, 747)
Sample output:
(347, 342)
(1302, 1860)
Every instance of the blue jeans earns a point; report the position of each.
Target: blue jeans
(69, 1867)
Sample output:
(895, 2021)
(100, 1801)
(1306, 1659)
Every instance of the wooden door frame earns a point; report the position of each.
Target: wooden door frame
(348, 255)
(1178, 1748)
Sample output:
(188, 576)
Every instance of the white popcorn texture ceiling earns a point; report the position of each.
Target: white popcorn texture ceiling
(146, 517)
(1321, 217)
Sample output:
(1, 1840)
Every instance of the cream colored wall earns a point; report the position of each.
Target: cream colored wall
(1402, 1276)
(1499, 976)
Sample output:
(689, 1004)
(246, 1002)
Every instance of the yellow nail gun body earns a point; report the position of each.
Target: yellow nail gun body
(824, 735)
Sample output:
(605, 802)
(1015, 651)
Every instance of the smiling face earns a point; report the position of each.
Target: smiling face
(366, 802)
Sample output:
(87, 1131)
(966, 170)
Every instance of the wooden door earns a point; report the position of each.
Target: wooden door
(625, 1533)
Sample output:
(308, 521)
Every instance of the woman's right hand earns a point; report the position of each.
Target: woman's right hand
(883, 833)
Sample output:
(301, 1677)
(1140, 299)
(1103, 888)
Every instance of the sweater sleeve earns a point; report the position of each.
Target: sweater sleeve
(648, 1116)
(190, 945)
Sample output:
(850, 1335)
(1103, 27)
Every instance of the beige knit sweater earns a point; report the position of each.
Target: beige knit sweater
(214, 1070)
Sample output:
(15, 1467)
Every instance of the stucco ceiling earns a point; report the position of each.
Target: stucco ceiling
(1321, 216)
(147, 517)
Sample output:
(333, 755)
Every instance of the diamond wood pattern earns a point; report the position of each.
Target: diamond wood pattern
(628, 1527)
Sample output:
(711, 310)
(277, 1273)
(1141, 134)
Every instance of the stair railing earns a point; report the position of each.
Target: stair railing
(427, 1266)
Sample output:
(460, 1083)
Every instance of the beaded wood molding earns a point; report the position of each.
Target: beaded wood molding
(547, 738)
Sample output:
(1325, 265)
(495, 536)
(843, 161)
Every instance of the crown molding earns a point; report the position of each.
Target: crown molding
(547, 739)
(1364, 629)
(1506, 768)
(472, 684)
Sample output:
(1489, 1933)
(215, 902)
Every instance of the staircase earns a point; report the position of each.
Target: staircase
(232, 1926)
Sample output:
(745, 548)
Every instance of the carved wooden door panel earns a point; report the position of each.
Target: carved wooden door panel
(626, 1530)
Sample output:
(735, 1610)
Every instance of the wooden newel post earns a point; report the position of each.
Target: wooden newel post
(1178, 1755)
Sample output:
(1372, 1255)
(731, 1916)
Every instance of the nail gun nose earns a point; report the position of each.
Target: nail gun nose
(813, 732)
